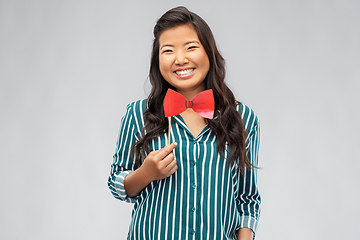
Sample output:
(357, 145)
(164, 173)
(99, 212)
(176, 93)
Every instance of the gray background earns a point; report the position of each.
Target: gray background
(68, 69)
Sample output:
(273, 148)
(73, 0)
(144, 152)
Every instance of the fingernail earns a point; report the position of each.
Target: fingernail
(175, 143)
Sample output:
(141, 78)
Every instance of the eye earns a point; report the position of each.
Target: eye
(167, 51)
(192, 47)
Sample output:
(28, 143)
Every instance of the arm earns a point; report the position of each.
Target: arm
(126, 181)
(157, 165)
(248, 198)
(122, 162)
(245, 234)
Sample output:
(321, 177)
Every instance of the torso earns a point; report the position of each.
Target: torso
(204, 198)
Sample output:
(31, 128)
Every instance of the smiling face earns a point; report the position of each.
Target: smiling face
(183, 61)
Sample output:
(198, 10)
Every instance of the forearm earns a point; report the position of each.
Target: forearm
(245, 234)
(135, 182)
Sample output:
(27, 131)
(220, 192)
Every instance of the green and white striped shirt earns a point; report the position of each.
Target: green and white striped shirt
(203, 199)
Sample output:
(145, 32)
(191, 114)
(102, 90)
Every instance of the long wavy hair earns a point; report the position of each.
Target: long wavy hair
(228, 126)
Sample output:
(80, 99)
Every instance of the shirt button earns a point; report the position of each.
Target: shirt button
(194, 141)
(194, 186)
(192, 231)
(194, 163)
(193, 209)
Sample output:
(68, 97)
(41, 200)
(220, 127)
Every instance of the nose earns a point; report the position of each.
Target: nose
(180, 58)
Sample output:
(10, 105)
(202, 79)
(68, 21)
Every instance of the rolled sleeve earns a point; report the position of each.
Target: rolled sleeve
(248, 201)
(117, 188)
(122, 159)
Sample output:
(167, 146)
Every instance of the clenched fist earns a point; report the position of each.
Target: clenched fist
(161, 163)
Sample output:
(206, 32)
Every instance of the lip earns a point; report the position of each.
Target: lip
(184, 76)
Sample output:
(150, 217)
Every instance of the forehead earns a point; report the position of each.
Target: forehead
(178, 35)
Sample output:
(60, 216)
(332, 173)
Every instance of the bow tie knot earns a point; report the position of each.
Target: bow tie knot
(189, 104)
(203, 103)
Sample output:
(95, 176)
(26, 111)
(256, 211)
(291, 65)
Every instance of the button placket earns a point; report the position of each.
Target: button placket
(193, 165)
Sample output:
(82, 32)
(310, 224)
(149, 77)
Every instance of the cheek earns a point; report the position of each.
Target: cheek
(202, 59)
(205, 62)
(164, 69)
(163, 65)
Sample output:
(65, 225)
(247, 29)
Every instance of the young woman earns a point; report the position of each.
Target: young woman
(203, 185)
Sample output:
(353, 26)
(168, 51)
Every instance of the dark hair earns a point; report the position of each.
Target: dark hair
(228, 127)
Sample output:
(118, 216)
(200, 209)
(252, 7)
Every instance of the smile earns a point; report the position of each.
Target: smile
(185, 72)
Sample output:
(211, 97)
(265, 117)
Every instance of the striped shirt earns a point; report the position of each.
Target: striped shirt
(203, 199)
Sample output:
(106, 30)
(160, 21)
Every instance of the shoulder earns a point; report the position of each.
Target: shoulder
(135, 113)
(249, 117)
(137, 108)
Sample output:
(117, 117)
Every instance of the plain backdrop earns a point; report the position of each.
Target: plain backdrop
(69, 68)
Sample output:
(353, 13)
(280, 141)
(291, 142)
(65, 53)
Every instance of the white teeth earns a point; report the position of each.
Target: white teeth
(184, 72)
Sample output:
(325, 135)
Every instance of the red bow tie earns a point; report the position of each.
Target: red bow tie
(203, 103)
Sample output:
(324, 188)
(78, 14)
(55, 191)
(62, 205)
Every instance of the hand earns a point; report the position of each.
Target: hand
(160, 164)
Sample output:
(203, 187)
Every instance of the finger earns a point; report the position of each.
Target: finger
(166, 150)
(163, 149)
(171, 165)
(172, 170)
(167, 160)
(155, 152)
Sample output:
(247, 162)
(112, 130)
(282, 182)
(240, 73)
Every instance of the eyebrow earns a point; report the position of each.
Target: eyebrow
(169, 45)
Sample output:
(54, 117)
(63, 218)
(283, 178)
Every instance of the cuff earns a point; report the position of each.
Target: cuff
(120, 187)
(248, 222)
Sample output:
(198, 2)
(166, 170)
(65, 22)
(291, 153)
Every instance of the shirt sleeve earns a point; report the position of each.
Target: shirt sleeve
(248, 201)
(122, 161)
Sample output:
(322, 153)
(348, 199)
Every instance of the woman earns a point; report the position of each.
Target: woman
(203, 185)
